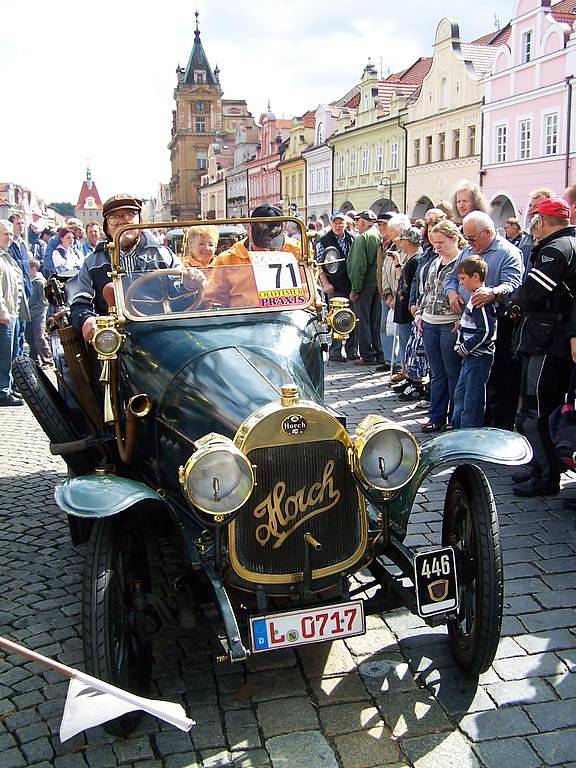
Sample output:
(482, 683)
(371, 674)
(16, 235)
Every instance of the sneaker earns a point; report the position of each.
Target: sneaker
(9, 400)
(398, 377)
(411, 393)
(337, 359)
(537, 487)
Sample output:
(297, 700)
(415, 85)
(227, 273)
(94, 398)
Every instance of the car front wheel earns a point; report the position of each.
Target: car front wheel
(116, 578)
(470, 526)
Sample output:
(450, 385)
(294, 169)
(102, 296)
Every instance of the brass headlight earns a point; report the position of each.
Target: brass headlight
(387, 455)
(217, 478)
(341, 318)
(107, 341)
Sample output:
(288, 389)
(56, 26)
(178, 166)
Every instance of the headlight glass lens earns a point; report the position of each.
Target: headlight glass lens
(343, 321)
(218, 479)
(387, 457)
(331, 258)
(107, 341)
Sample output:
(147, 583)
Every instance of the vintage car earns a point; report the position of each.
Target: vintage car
(196, 416)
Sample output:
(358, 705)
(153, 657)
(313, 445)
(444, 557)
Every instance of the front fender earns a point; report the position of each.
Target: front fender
(495, 446)
(96, 496)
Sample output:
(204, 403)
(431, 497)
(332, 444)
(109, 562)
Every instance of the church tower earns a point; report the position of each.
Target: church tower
(195, 122)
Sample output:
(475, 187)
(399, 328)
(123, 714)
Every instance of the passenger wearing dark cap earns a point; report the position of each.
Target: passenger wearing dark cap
(139, 252)
(237, 288)
(546, 302)
(361, 265)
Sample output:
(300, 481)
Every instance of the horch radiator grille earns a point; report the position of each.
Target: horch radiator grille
(304, 488)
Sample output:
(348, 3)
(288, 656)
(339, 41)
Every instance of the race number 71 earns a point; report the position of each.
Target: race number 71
(281, 272)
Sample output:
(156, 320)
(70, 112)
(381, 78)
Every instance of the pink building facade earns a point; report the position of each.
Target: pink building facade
(264, 182)
(529, 138)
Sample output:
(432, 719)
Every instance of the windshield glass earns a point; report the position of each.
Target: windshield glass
(184, 270)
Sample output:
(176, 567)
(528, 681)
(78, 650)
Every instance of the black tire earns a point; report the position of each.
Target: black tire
(50, 410)
(470, 525)
(114, 651)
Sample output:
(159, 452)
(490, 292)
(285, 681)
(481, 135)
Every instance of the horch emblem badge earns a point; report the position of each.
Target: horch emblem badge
(294, 425)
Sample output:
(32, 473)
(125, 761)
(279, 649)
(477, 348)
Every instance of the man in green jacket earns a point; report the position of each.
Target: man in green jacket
(362, 272)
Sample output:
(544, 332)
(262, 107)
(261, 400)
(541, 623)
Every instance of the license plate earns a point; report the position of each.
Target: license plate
(310, 625)
(435, 581)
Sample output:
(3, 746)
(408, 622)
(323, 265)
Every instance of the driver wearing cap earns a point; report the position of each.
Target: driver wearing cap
(236, 287)
(139, 252)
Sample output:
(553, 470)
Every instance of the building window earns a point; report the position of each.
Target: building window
(327, 179)
(200, 106)
(443, 93)
(394, 156)
(471, 140)
(199, 76)
(200, 124)
(428, 150)
(201, 159)
(551, 134)
(417, 152)
(501, 138)
(526, 47)
(379, 158)
(319, 177)
(320, 133)
(311, 182)
(353, 164)
(441, 146)
(365, 160)
(456, 143)
(340, 170)
(524, 139)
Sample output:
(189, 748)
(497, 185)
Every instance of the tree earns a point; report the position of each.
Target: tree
(64, 209)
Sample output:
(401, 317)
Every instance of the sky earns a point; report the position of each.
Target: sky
(93, 82)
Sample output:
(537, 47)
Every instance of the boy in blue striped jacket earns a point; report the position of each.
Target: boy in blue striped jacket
(476, 345)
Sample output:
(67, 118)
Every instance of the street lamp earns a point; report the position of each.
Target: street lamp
(385, 181)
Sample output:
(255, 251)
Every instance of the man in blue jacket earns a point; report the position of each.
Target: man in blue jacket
(504, 262)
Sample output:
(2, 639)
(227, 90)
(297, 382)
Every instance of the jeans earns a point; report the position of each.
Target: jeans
(7, 354)
(386, 341)
(403, 336)
(20, 337)
(445, 365)
(470, 394)
(369, 313)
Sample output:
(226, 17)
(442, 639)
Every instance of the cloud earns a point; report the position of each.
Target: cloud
(98, 84)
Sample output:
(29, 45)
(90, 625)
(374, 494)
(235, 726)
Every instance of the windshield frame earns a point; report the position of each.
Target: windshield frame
(306, 261)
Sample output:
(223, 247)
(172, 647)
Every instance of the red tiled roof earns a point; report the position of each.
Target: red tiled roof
(497, 37)
(85, 192)
(402, 83)
(565, 9)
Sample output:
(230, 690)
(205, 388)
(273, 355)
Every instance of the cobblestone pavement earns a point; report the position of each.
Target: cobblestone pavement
(391, 698)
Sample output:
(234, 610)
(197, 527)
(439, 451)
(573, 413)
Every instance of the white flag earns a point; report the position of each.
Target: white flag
(91, 702)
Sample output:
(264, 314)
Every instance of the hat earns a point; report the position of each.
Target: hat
(36, 212)
(47, 232)
(555, 206)
(338, 215)
(384, 216)
(122, 200)
(411, 235)
(266, 210)
(74, 224)
(366, 215)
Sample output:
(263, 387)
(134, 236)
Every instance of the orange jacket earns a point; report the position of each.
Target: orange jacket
(237, 287)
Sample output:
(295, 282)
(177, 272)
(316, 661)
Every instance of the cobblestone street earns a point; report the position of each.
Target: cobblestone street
(390, 698)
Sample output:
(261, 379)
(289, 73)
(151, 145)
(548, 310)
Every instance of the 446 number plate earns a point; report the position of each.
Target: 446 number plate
(435, 581)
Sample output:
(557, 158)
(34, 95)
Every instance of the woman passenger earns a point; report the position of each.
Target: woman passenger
(200, 247)
(65, 259)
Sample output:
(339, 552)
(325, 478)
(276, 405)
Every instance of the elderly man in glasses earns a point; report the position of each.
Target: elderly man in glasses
(139, 252)
(504, 275)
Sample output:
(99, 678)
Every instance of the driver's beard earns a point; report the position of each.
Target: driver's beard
(129, 239)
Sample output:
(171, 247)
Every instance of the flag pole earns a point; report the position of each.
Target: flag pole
(37, 657)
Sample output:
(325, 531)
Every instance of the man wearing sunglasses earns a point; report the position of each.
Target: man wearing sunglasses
(139, 252)
(237, 287)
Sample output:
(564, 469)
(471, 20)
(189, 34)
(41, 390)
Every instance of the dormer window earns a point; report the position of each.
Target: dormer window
(320, 133)
(526, 47)
(199, 76)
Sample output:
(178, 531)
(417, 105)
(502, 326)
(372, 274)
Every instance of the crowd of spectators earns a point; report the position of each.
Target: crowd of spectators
(28, 257)
(477, 325)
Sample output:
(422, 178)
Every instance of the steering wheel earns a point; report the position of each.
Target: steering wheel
(161, 303)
